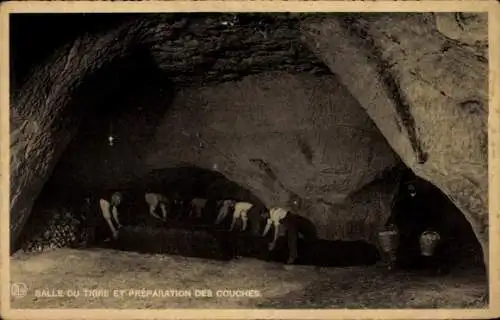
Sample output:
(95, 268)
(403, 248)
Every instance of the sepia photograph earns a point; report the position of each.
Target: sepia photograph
(248, 160)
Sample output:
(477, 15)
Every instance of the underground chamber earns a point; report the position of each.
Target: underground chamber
(91, 167)
(259, 117)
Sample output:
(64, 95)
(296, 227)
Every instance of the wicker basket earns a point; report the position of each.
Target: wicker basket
(428, 242)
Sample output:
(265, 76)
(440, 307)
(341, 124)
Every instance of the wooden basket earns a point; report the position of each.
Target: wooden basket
(428, 242)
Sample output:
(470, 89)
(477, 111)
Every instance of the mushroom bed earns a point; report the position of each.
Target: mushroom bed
(184, 238)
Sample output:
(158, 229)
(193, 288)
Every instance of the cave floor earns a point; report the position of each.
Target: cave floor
(276, 285)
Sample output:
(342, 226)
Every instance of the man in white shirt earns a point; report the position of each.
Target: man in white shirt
(241, 212)
(155, 199)
(292, 225)
(225, 206)
(274, 218)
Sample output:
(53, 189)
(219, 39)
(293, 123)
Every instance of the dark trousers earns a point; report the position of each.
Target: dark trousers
(294, 226)
(96, 226)
(255, 220)
(229, 243)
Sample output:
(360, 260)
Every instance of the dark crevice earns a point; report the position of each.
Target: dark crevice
(472, 106)
(398, 126)
(236, 49)
(306, 149)
(458, 19)
(447, 45)
(264, 166)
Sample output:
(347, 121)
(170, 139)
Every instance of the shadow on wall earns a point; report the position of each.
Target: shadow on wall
(130, 114)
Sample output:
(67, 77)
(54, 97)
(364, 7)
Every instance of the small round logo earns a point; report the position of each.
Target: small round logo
(18, 290)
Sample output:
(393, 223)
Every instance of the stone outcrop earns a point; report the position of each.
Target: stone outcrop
(427, 93)
(467, 28)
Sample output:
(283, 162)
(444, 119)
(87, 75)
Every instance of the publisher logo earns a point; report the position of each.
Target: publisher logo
(18, 290)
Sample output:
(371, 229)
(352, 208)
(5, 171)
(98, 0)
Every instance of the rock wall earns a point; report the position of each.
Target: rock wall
(427, 93)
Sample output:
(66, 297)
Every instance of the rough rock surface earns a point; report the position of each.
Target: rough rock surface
(428, 95)
(227, 47)
(45, 112)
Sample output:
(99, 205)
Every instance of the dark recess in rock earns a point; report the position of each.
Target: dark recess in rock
(264, 166)
(396, 121)
(306, 149)
(26, 55)
(472, 106)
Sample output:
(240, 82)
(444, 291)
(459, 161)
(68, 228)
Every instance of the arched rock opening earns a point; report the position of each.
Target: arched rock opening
(278, 91)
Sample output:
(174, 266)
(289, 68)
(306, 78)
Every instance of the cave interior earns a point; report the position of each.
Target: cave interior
(136, 99)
